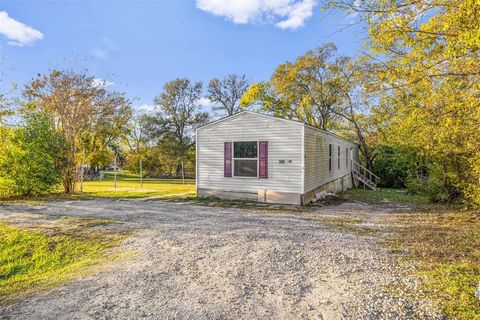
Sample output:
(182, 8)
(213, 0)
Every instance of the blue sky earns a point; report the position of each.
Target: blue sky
(140, 45)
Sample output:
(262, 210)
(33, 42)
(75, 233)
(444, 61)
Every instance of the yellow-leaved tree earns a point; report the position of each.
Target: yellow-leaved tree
(427, 57)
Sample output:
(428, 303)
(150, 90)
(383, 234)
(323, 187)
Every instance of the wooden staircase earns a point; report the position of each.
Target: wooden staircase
(363, 176)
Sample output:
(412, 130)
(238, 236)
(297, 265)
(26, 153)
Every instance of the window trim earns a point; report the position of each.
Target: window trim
(233, 159)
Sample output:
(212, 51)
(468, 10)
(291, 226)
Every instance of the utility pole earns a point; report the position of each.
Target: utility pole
(183, 174)
(141, 174)
(115, 172)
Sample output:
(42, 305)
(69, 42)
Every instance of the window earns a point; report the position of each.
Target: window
(330, 157)
(346, 157)
(351, 158)
(338, 157)
(245, 158)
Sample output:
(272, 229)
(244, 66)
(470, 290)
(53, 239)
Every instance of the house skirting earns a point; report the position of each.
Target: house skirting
(338, 185)
(264, 195)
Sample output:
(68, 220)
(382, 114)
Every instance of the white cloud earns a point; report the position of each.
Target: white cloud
(100, 53)
(102, 83)
(145, 108)
(17, 33)
(298, 14)
(103, 51)
(285, 14)
(205, 102)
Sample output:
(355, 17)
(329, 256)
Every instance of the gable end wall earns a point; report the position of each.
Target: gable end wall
(284, 143)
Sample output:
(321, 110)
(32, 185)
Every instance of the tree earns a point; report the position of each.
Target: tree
(140, 147)
(173, 124)
(5, 108)
(305, 90)
(31, 157)
(354, 104)
(226, 93)
(83, 111)
(5, 112)
(428, 76)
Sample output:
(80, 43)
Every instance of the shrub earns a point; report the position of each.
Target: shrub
(30, 158)
(391, 165)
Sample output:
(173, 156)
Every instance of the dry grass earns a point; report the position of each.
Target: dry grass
(447, 245)
(445, 241)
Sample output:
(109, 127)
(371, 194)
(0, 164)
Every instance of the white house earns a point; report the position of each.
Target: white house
(258, 157)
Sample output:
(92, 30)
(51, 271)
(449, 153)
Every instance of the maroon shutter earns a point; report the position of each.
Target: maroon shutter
(227, 153)
(263, 160)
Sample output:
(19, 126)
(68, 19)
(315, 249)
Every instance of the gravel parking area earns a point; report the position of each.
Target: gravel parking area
(200, 262)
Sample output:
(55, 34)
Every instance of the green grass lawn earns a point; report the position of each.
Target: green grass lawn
(40, 256)
(385, 195)
(129, 186)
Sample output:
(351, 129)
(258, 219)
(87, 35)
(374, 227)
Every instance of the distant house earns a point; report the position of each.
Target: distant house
(258, 157)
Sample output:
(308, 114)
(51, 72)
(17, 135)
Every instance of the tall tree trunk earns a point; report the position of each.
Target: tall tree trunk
(364, 148)
(70, 174)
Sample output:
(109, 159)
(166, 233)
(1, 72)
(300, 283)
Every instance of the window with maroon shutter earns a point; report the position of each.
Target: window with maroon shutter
(227, 153)
(245, 159)
(263, 160)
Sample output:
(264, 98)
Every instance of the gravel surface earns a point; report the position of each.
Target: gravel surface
(200, 262)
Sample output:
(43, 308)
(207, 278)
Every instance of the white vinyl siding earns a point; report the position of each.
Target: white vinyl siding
(298, 157)
(284, 153)
(317, 157)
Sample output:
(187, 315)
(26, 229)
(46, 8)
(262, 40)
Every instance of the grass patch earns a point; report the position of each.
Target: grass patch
(346, 223)
(339, 221)
(447, 244)
(443, 239)
(39, 256)
(128, 186)
(385, 195)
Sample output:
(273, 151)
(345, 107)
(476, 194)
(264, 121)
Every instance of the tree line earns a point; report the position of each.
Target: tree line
(68, 120)
(410, 101)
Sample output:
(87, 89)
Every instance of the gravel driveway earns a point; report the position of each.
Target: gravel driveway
(200, 262)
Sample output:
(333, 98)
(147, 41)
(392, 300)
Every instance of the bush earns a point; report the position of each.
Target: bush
(438, 181)
(392, 166)
(30, 158)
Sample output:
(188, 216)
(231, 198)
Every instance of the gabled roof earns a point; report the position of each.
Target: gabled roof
(271, 117)
(242, 113)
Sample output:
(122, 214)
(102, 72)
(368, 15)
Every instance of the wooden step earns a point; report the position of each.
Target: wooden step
(363, 179)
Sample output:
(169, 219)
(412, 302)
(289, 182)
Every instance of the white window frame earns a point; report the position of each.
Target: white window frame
(233, 159)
